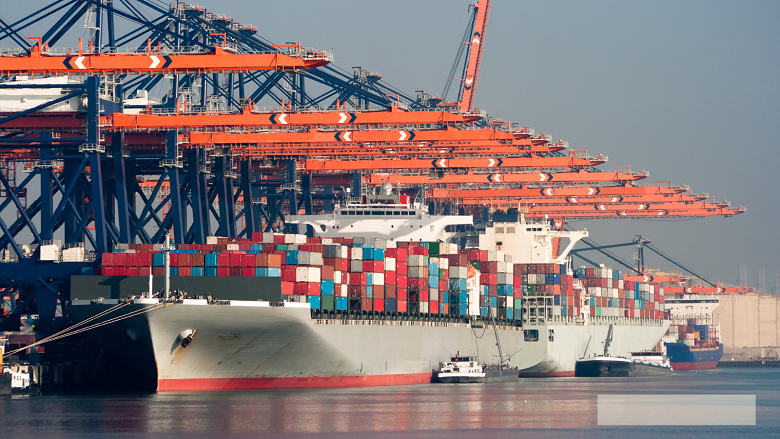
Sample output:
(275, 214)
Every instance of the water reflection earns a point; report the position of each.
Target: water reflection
(563, 405)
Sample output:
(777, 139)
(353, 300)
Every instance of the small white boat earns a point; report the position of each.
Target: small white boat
(461, 370)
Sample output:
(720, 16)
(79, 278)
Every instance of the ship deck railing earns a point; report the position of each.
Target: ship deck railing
(407, 323)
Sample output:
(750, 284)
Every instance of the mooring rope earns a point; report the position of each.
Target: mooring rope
(71, 330)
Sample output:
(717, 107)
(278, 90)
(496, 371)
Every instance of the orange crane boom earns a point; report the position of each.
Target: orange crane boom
(39, 61)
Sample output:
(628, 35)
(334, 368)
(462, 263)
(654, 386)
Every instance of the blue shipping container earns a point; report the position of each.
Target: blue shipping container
(197, 271)
(315, 302)
(327, 287)
(341, 303)
(211, 271)
(274, 272)
(433, 281)
(390, 304)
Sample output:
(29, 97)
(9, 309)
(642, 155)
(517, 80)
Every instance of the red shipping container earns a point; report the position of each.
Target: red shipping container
(367, 304)
(236, 271)
(401, 268)
(313, 288)
(402, 294)
(400, 305)
(327, 273)
(145, 260)
(248, 271)
(390, 277)
(418, 251)
(446, 307)
(158, 271)
(390, 291)
(378, 291)
(358, 279)
(133, 259)
(444, 285)
(120, 271)
(236, 259)
(493, 290)
(301, 288)
(105, 271)
(379, 304)
(433, 307)
(288, 273)
(107, 259)
(223, 260)
(183, 271)
(223, 271)
(401, 280)
(248, 261)
(120, 260)
(144, 271)
(423, 295)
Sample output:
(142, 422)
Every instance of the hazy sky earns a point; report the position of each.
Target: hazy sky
(685, 89)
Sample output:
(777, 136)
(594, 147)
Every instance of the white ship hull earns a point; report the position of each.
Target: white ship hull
(558, 355)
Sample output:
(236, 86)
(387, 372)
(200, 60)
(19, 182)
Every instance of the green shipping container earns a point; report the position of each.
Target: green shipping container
(532, 289)
(598, 311)
(328, 302)
(281, 247)
(433, 248)
(518, 303)
(441, 273)
(475, 264)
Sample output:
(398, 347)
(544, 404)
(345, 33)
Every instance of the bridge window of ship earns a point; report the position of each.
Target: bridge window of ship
(499, 230)
(531, 335)
(351, 212)
(551, 335)
(323, 227)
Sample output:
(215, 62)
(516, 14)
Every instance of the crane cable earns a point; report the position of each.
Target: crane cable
(67, 332)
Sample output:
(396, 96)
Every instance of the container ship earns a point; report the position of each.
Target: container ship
(289, 311)
(693, 341)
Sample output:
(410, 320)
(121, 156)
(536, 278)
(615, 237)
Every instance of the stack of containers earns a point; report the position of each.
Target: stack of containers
(396, 268)
(418, 277)
(361, 274)
(459, 270)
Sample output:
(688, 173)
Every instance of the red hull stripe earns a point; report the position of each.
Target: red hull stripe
(546, 374)
(691, 366)
(311, 382)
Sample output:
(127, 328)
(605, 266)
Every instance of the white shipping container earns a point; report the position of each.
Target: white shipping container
(493, 256)
(379, 279)
(301, 274)
(268, 237)
(501, 267)
(380, 243)
(417, 272)
(356, 266)
(415, 260)
(356, 253)
(458, 272)
(327, 241)
(423, 307)
(304, 257)
(389, 264)
(315, 258)
(444, 263)
(232, 247)
(433, 294)
(507, 258)
(315, 274)
(505, 278)
(213, 240)
(343, 290)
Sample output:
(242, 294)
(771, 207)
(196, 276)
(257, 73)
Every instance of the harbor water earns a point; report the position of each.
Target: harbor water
(541, 407)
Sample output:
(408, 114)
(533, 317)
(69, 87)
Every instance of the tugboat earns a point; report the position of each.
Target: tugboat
(640, 364)
(468, 370)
